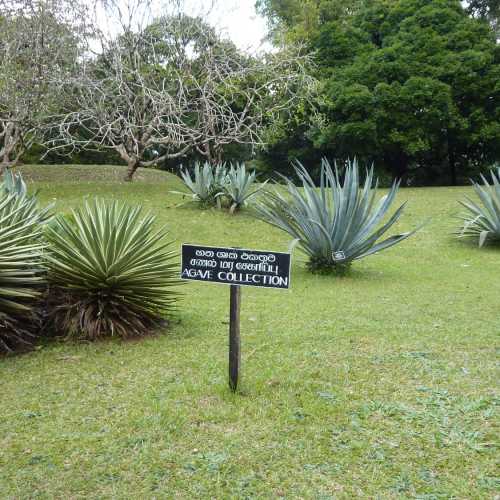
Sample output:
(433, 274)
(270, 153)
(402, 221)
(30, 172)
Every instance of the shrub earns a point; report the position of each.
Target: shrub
(482, 220)
(206, 184)
(239, 186)
(335, 223)
(21, 269)
(110, 272)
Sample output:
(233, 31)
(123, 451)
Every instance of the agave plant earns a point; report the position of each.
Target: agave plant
(21, 269)
(110, 272)
(334, 223)
(14, 183)
(239, 187)
(206, 184)
(482, 220)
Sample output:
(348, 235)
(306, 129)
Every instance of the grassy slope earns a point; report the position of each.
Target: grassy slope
(380, 383)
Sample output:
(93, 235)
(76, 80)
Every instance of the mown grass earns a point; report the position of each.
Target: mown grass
(381, 384)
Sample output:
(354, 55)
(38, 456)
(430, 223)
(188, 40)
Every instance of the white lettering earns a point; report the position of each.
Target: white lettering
(197, 273)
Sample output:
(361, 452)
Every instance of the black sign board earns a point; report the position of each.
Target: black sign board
(236, 266)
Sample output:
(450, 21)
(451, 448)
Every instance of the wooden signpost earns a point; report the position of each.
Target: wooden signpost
(234, 335)
(235, 267)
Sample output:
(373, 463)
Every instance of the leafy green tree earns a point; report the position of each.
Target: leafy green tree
(411, 84)
(301, 19)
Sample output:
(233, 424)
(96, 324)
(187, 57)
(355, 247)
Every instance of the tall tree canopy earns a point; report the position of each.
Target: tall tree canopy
(411, 84)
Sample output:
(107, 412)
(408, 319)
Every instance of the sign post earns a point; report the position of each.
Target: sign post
(235, 267)
(234, 335)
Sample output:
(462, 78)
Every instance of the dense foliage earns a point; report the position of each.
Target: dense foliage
(482, 220)
(486, 9)
(336, 222)
(110, 272)
(409, 84)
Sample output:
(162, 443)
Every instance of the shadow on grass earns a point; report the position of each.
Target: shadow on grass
(194, 206)
(169, 329)
(472, 244)
(356, 275)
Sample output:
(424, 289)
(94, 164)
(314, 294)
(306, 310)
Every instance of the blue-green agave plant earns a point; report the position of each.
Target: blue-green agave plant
(336, 222)
(482, 220)
(206, 184)
(240, 186)
(14, 183)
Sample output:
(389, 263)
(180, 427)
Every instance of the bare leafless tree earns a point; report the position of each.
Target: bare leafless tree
(234, 96)
(38, 44)
(157, 88)
(120, 102)
(120, 98)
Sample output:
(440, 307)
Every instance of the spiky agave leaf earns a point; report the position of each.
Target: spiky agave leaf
(334, 223)
(220, 177)
(482, 220)
(21, 269)
(240, 186)
(201, 185)
(110, 271)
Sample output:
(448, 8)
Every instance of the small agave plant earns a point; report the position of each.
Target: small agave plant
(206, 184)
(240, 186)
(336, 222)
(482, 220)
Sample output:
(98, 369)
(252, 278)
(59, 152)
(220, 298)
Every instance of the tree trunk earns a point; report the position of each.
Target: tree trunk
(132, 160)
(8, 154)
(218, 155)
(208, 153)
(132, 166)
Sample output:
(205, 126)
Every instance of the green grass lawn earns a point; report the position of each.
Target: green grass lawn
(381, 384)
